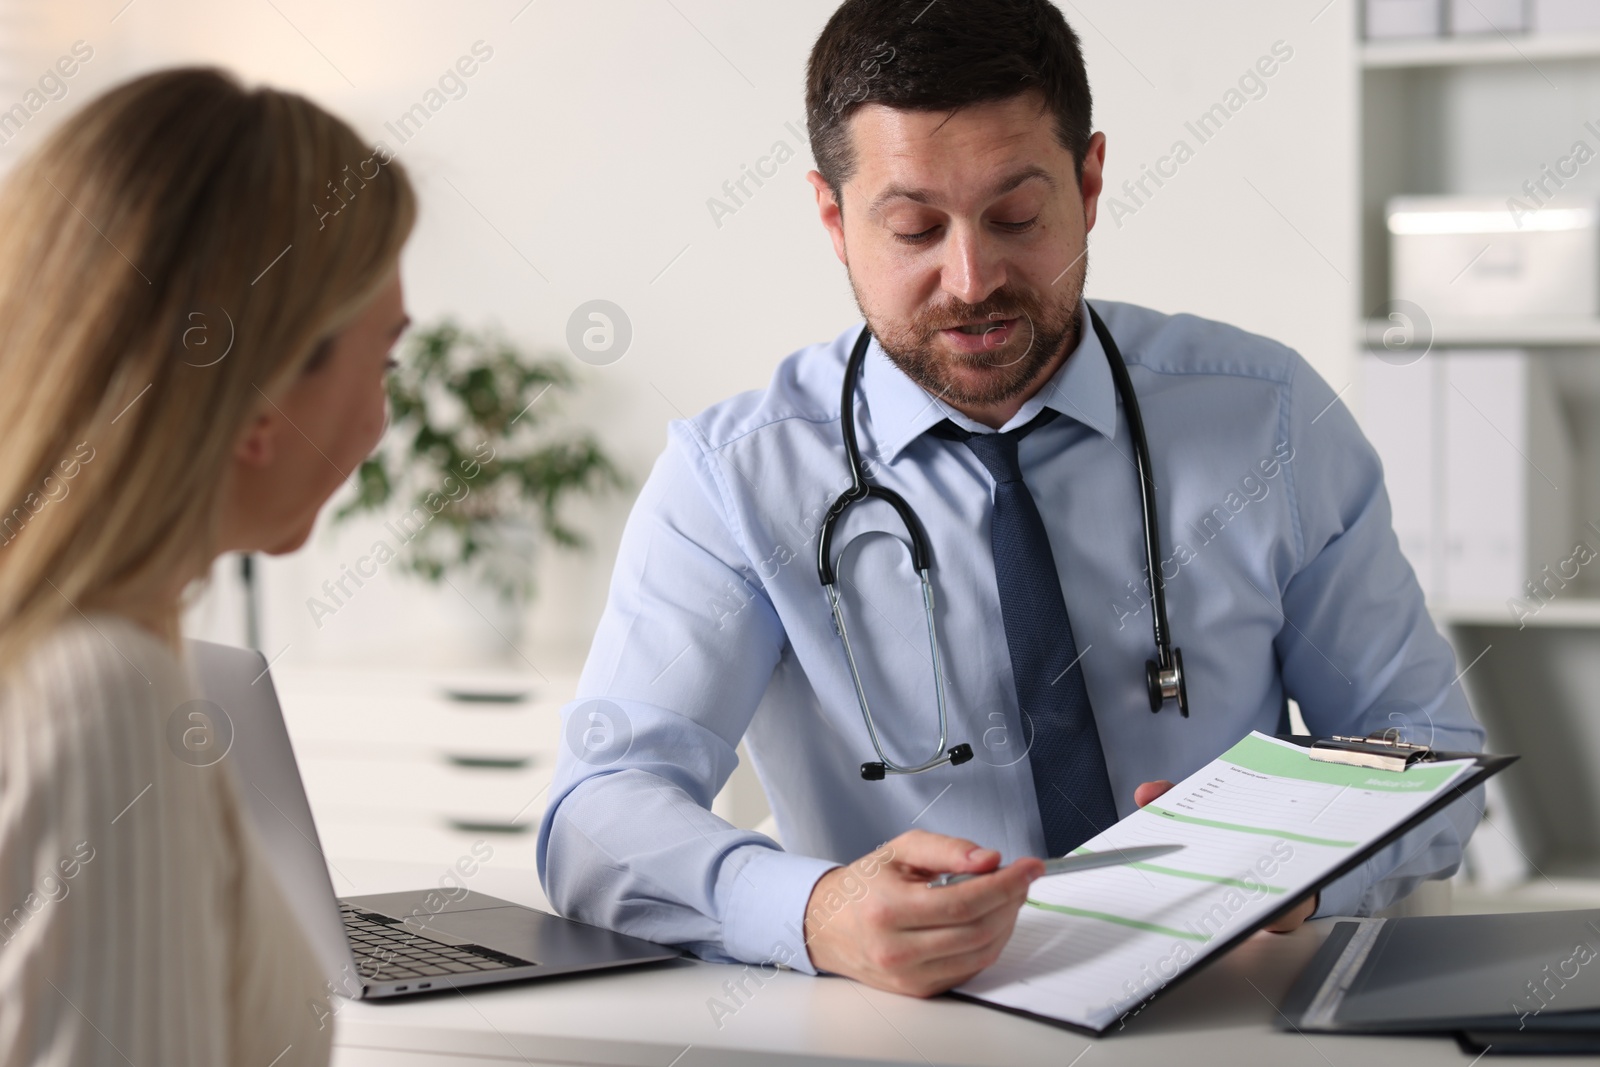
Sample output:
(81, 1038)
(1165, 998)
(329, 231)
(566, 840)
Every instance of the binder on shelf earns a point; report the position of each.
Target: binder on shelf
(1478, 463)
(1397, 414)
(1508, 486)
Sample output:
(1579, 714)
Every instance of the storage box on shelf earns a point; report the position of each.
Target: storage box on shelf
(1563, 16)
(1487, 16)
(1403, 18)
(1392, 19)
(1462, 257)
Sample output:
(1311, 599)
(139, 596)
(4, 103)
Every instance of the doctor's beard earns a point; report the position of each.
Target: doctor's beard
(1008, 371)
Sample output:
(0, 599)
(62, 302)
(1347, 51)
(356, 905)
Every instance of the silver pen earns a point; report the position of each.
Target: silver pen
(1081, 861)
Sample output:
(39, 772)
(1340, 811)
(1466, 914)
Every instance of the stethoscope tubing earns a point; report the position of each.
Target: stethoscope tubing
(1164, 675)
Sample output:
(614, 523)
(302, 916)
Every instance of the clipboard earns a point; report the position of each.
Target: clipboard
(1486, 766)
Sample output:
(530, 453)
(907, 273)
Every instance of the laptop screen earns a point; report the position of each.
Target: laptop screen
(239, 726)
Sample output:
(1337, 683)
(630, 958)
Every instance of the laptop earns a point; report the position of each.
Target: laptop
(389, 944)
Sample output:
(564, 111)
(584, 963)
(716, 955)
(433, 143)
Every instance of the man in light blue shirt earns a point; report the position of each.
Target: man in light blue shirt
(961, 207)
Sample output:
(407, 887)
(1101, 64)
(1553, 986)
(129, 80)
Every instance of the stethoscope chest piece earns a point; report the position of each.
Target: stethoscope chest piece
(1167, 683)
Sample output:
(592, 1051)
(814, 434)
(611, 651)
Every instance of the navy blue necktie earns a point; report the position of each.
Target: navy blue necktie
(1069, 767)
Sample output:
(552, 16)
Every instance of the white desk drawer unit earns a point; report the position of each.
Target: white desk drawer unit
(396, 769)
(486, 794)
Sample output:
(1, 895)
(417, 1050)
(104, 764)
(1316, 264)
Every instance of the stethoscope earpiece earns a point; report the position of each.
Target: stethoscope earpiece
(875, 772)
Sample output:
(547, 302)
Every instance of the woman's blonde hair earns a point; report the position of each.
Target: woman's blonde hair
(170, 258)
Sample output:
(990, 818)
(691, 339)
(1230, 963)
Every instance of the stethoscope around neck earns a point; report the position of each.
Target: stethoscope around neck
(1163, 675)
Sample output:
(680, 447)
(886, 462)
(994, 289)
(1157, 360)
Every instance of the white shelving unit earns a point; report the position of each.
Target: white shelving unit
(1498, 333)
(1487, 49)
(1481, 116)
(1574, 612)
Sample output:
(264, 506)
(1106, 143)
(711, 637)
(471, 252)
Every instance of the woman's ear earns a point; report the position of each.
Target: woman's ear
(255, 448)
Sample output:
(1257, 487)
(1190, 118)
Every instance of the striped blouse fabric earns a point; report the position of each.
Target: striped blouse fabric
(139, 924)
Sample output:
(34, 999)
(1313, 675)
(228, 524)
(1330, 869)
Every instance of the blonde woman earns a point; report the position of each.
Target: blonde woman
(198, 295)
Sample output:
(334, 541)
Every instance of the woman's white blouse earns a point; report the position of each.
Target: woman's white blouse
(138, 921)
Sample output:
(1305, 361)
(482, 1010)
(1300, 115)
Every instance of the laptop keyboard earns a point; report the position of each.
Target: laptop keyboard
(386, 950)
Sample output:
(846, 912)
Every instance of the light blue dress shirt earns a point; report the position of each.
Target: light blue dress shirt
(1285, 581)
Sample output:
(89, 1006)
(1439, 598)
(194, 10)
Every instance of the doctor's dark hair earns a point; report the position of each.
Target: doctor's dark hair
(941, 56)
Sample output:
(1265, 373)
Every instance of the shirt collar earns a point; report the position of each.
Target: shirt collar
(898, 410)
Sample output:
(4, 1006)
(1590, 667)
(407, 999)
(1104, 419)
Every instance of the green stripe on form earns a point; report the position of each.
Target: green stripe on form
(1084, 913)
(1286, 835)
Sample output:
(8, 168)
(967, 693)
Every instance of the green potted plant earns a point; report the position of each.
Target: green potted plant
(471, 474)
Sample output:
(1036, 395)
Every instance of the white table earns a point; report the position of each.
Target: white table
(660, 1015)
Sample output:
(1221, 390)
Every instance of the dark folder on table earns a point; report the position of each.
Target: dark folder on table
(1515, 984)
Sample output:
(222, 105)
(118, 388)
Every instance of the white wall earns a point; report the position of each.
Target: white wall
(589, 144)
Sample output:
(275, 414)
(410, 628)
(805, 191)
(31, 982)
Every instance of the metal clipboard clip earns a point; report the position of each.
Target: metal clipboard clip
(1381, 750)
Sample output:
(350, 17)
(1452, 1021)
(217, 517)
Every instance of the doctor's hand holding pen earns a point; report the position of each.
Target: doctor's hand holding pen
(894, 933)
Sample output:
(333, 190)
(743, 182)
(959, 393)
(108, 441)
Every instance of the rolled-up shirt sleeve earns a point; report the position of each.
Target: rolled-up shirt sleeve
(681, 658)
(1359, 651)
